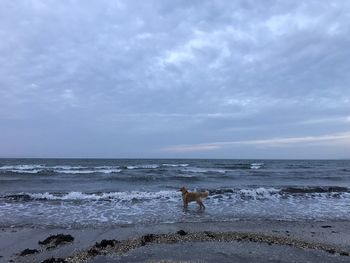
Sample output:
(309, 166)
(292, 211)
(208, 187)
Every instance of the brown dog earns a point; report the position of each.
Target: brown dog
(193, 196)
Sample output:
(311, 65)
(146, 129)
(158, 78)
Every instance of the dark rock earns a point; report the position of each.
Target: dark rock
(182, 232)
(104, 243)
(147, 239)
(331, 250)
(344, 253)
(57, 240)
(326, 226)
(210, 234)
(28, 251)
(92, 252)
(54, 260)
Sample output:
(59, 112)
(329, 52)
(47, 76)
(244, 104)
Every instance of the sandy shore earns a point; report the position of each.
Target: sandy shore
(241, 241)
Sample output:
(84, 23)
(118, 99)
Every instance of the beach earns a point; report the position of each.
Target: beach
(131, 210)
(240, 241)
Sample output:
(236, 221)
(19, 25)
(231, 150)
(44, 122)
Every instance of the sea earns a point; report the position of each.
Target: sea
(80, 193)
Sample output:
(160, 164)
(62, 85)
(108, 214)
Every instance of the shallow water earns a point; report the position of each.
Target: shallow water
(78, 193)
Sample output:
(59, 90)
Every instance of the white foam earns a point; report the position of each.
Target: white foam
(202, 170)
(108, 171)
(256, 165)
(25, 171)
(104, 171)
(175, 165)
(116, 196)
(22, 167)
(143, 166)
(67, 167)
(260, 193)
(75, 171)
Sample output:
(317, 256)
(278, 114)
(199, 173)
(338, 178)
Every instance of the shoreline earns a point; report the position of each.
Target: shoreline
(326, 236)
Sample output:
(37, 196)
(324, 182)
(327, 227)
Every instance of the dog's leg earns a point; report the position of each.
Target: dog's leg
(185, 204)
(201, 206)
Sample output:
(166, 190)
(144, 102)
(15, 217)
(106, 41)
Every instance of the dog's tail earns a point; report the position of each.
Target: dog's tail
(204, 194)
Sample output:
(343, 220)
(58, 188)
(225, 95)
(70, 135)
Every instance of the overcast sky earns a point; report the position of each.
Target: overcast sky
(206, 79)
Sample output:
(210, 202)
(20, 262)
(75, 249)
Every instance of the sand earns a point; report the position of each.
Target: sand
(240, 241)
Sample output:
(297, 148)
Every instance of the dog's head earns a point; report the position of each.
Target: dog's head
(183, 190)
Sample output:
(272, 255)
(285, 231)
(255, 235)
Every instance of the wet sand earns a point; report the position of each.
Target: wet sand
(240, 241)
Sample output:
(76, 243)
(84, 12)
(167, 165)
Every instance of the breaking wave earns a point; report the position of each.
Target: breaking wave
(260, 193)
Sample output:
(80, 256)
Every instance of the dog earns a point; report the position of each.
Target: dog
(193, 196)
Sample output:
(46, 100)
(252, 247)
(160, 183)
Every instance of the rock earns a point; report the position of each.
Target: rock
(181, 232)
(92, 252)
(331, 250)
(147, 239)
(28, 251)
(210, 234)
(54, 260)
(56, 240)
(104, 243)
(344, 253)
(326, 226)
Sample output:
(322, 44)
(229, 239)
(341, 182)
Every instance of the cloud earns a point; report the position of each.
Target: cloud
(343, 138)
(172, 72)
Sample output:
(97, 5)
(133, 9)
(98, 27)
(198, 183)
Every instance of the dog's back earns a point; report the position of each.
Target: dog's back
(193, 196)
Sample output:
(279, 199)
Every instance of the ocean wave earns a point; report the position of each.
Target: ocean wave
(67, 167)
(143, 166)
(202, 170)
(79, 196)
(263, 193)
(256, 165)
(108, 169)
(61, 169)
(35, 171)
(175, 165)
(260, 193)
(240, 166)
(317, 189)
(22, 167)
(104, 171)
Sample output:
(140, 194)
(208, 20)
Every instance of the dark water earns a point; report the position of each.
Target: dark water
(95, 193)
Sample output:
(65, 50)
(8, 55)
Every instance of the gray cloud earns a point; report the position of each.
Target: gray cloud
(130, 78)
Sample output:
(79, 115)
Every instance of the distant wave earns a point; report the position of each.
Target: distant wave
(241, 166)
(22, 167)
(143, 166)
(256, 165)
(175, 165)
(202, 170)
(61, 169)
(106, 169)
(69, 167)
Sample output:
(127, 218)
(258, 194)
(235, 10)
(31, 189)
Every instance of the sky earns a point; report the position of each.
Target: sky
(175, 79)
